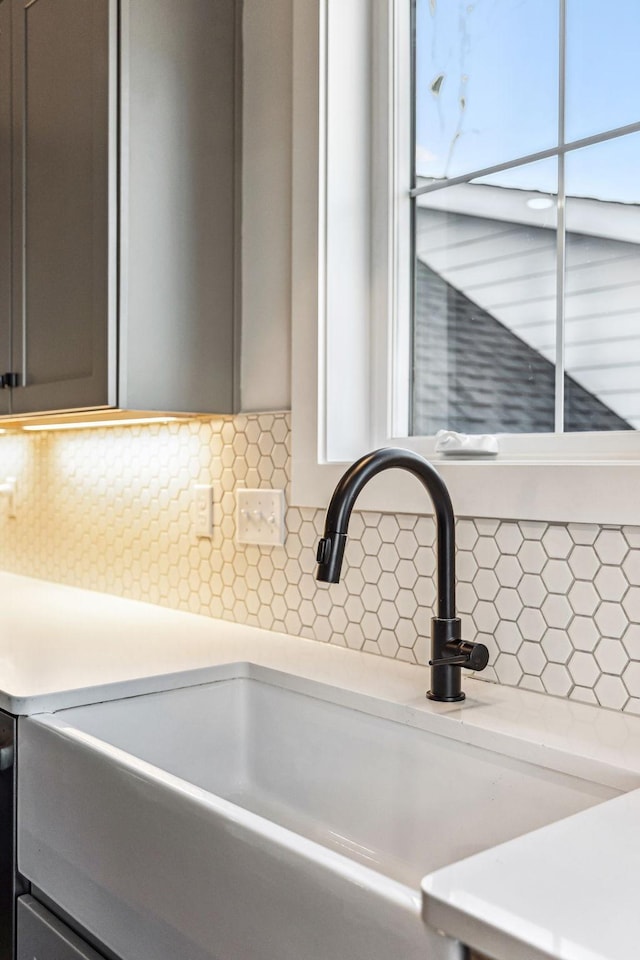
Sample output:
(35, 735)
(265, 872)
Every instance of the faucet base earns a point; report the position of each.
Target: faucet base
(446, 677)
(436, 696)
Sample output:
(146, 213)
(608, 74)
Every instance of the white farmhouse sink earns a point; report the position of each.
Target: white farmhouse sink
(242, 820)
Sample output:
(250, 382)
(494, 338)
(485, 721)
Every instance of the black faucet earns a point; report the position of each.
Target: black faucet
(449, 653)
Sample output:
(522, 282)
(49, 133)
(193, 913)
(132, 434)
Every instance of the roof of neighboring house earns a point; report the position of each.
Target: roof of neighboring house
(474, 375)
(490, 245)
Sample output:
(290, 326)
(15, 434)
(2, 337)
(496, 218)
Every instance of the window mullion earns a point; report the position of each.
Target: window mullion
(560, 294)
(614, 133)
(561, 233)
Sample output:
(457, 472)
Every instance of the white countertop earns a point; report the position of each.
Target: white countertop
(568, 891)
(61, 647)
(565, 892)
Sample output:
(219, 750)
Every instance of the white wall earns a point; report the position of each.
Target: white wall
(266, 215)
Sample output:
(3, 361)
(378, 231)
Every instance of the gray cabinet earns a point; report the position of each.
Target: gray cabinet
(11, 885)
(41, 936)
(5, 195)
(61, 198)
(123, 205)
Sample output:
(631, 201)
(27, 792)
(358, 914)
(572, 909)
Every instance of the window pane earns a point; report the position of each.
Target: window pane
(485, 305)
(603, 66)
(486, 83)
(602, 299)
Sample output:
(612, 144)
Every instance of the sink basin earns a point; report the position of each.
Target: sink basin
(246, 820)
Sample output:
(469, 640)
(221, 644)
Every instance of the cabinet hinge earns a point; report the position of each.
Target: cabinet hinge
(9, 380)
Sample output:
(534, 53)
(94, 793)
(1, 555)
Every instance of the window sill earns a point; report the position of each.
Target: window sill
(560, 492)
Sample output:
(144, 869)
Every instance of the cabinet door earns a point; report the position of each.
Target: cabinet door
(41, 936)
(5, 196)
(64, 103)
(10, 886)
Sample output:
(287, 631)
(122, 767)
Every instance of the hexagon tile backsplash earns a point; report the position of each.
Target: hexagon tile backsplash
(110, 509)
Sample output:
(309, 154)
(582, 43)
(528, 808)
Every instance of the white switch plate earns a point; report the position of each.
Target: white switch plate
(260, 517)
(203, 510)
(8, 489)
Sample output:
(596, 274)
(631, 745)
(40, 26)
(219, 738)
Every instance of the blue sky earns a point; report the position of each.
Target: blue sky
(487, 83)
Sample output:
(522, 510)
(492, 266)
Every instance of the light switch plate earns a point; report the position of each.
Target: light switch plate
(203, 510)
(260, 517)
(8, 489)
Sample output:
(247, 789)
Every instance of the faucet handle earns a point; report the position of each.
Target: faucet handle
(450, 661)
(473, 656)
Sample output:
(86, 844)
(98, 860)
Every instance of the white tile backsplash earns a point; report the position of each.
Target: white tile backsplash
(110, 509)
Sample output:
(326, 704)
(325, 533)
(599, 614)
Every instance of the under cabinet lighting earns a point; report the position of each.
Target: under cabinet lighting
(87, 425)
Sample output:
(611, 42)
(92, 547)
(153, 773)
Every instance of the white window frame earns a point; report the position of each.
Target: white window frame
(583, 478)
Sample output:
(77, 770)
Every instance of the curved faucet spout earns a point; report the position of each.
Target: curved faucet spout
(449, 653)
(331, 547)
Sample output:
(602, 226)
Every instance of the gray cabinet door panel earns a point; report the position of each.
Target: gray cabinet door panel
(62, 50)
(6, 259)
(179, 177)
(41, 936)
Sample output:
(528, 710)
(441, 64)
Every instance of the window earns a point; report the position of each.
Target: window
(527, 225)
(353, 203)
